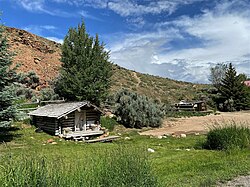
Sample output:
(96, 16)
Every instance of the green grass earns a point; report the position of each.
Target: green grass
(108, 123)
(175, 162)
(119, 166)
(228, 137)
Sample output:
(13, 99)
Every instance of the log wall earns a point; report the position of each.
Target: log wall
(92, 115)
(69, 122)
(49, 125)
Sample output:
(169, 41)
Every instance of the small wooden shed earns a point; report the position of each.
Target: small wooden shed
(69, 119)
(191, 106)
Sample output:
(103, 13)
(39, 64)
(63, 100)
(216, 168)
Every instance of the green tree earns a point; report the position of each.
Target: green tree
(7, 76)
(233, 93)
(86, 69)
(217, 73)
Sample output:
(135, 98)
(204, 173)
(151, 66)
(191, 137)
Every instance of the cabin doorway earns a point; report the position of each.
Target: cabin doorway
(80, 121)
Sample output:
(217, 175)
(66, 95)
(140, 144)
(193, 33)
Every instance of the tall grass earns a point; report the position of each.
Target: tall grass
(108, 123)
(121, 166)
(227, 137)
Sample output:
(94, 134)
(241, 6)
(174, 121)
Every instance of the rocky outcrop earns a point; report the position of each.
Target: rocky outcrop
(34, 53)
(18, 36)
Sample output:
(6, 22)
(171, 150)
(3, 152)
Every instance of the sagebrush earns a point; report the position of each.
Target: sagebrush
(137, 110)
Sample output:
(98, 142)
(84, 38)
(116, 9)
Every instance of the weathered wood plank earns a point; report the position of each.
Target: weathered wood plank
(82, 134)
(106, 139)
(47, 124)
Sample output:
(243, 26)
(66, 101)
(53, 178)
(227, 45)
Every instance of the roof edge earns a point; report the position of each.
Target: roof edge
(73, 109)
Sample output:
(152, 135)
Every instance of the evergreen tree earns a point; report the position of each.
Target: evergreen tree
(86, 70)
(233, 94)
(7, 109)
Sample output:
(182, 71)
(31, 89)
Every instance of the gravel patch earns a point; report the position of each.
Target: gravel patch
(242, 181)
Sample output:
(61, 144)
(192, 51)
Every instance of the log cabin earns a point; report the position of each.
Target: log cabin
(69, 119)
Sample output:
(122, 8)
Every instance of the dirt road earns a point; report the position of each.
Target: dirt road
(198, 124)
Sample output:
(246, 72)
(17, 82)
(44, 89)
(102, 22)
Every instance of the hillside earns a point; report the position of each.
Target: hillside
(42, 56)
(35, 53)
(158, 88)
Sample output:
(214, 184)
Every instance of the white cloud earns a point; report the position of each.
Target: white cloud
(133, 10)
(225, 38)
(138, 51)
(39, 6)
(137, 22)
(58, 40)
(122, 7)
(34, 6)
(129, 8)
(216, 35)
(39, 29)
(85, 14)
(222, 34)
(136, 8)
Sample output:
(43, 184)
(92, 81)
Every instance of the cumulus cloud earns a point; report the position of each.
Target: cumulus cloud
(222, 35)
(184, 48)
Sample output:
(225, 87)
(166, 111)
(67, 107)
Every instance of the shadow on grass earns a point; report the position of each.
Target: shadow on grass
(7, 134)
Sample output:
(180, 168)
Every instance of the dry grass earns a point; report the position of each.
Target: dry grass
(158, 88)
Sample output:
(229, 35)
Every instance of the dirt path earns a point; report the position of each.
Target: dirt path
(137, 79)
(243, 181)
(198, 124)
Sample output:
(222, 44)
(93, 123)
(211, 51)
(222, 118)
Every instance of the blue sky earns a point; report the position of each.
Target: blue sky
(179, 39)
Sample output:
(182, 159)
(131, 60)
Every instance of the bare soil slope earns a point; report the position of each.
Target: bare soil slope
(42, 56)
(35, 53)
(199, 124)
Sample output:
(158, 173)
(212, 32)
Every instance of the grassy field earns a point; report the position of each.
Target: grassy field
(175, 162)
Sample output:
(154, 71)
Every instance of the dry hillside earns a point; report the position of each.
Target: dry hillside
(35, 53)
(158, 88)
(42, 56)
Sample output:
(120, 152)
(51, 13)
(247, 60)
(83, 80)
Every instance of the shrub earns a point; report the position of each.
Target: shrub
(228, 137)
(23, 92)
(108, 123)
(47, 94)
(137, 111)
(29, 79)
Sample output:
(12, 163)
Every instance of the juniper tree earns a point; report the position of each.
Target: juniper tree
(7, 109)
(86, 70)
(233, 94)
